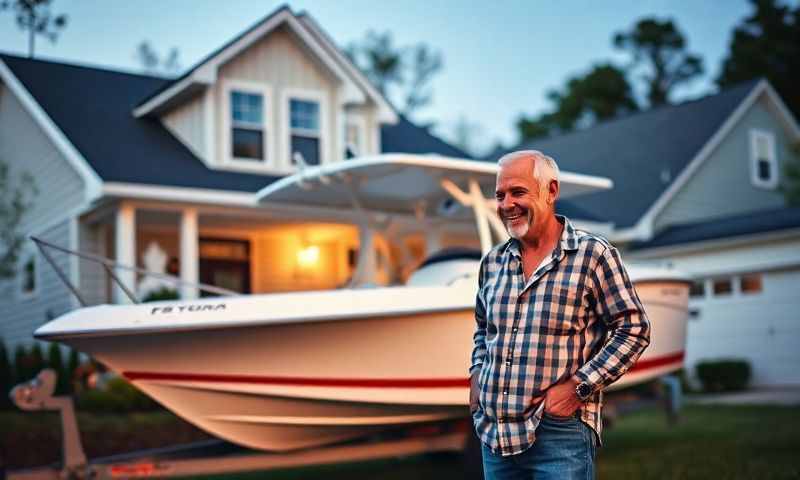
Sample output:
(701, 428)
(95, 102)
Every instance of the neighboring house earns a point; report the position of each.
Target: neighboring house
(697, 186)
(163, 173)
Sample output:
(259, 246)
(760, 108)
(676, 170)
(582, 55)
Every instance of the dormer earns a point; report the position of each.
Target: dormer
(279, 93)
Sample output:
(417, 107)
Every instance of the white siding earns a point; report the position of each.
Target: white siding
(94, 283)
(21, 316)
(187, 122)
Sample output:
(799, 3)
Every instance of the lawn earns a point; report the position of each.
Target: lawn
(728, 442)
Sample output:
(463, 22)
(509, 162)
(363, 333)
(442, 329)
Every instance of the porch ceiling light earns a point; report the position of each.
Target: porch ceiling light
(308, 257)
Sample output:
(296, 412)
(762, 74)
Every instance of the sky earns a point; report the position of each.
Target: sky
(500, 57)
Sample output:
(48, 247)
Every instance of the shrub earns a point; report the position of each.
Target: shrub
(163, 293)
(723, 375)
(6, 376)
(118, 396)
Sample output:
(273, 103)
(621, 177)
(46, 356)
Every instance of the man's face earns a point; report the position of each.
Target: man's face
(521, 205)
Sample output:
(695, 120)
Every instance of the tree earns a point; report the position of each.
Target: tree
(767, 44)
(600, 94)
(6, 375)
(35, 17)
(153, 64)
(390, 68)
(15, 200)
(659, 50)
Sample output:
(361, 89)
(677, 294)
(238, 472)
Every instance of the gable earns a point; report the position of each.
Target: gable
(642, 153)
(723, 185)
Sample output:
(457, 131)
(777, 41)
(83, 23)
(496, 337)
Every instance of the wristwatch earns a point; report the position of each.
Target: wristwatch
(583, 391)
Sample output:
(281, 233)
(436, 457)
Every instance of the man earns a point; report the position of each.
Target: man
(557, 320)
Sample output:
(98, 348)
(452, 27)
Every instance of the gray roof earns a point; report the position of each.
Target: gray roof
(638, 151)
(93, 108)
(733, 226)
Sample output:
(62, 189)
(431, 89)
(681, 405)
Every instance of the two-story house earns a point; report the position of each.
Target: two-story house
(135, 167)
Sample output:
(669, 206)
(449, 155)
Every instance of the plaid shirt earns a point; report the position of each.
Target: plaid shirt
(578, 315)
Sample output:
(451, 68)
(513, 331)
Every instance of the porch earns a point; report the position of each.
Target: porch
(249, 250)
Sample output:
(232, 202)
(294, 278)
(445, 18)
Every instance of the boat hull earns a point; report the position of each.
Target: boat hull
(283, 386)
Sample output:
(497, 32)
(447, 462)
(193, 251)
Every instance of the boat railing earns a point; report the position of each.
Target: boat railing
(112, 268)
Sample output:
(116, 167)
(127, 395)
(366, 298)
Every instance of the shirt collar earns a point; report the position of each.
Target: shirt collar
(568, 242)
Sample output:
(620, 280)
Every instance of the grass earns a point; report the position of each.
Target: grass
(731, 442)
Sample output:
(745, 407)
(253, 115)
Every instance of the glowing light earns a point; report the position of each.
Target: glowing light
(308, 257)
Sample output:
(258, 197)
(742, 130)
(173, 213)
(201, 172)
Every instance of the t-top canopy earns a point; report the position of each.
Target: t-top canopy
(399, 182)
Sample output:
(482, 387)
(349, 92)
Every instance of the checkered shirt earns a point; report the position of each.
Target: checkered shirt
(577, 316)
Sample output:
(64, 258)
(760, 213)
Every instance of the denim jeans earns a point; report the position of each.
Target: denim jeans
(564, 449)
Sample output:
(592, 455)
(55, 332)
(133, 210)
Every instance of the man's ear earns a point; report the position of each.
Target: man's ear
(553, 190)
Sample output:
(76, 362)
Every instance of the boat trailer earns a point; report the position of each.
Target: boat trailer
(209, 457)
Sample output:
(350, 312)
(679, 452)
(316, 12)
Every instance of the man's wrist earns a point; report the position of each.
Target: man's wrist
(583, 389)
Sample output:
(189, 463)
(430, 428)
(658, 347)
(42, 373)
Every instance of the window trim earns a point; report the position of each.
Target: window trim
(319, 96)
(248, 164)
(360, 122)
(26, 254)
(755, 136)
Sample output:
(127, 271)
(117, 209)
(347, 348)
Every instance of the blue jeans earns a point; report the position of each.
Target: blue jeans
(564, 449)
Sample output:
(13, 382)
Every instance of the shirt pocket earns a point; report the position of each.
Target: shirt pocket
(565, 307)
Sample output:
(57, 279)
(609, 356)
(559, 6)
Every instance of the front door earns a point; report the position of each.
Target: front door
(225, 263)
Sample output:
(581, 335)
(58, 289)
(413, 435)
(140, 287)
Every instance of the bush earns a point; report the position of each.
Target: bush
(163, 293)
(723, 375)
(119, 396)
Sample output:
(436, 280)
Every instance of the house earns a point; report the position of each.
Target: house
(163, 173)
(697, 187)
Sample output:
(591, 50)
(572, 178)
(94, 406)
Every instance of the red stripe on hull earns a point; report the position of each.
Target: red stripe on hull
(353, 382)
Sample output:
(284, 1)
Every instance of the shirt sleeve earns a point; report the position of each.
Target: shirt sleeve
(619, 307)
(479, 337)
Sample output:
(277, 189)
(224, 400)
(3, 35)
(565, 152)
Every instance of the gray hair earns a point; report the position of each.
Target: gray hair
(544, 167)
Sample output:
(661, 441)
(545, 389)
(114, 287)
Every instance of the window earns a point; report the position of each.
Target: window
(750, 284)
(697, 289)
(722, 286)
(247, 125)
(354, 136)
(763, 161)
(304, 123)
(28, 275)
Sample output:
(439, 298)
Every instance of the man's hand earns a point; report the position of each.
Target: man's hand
(561, 399)
(474, 391)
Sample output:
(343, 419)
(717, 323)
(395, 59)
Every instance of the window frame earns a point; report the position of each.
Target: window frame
(268, 137)
(308, 95)
(769, 137)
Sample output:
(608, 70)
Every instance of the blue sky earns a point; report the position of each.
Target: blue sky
(500, 57)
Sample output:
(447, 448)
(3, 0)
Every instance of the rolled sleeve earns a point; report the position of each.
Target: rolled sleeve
(619, 307)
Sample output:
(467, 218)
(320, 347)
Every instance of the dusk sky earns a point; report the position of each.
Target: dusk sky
(500, 58)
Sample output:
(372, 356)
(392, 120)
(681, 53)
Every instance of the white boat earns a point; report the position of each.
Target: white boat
(291, 370)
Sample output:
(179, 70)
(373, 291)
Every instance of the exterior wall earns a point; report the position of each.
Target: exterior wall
(722, 186)
(372, 134)
(61, 191)
(279, 63)
(94, 282)
(187, 122)
(760, 327)
(21, 316)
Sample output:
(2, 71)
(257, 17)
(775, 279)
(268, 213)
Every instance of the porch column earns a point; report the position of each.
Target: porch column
(189, 253)
(125, 250)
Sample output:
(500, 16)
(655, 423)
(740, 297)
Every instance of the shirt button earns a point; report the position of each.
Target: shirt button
(505, 392)
(508, 362)
(514, 329)
(500, 421)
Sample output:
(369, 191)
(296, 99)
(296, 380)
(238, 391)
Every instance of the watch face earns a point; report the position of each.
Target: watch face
(584, 390)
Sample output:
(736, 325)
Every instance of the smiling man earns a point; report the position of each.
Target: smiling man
(557, 321)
